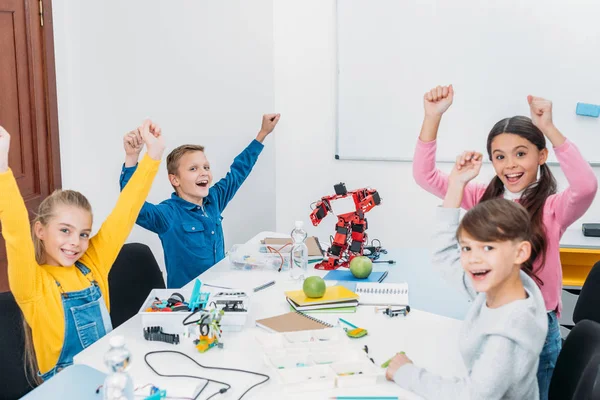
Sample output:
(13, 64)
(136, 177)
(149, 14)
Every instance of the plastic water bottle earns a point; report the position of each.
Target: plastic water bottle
(299, 253)
(118, 384)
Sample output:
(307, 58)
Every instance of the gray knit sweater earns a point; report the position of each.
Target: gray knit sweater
(500, 347)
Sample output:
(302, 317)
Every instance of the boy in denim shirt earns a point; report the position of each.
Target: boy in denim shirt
(189, 223)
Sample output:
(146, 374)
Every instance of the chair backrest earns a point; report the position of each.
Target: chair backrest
(589, 384)
(13, 381)
(587, 306)
(133, 275)
(582, 344)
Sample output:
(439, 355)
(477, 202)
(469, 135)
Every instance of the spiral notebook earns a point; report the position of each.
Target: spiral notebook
(292, 322)
(382, 294)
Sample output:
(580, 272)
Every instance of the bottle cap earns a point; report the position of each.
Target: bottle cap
(299, 224)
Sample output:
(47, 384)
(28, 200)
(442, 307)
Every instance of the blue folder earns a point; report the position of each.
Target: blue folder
(76, 382)
(346, 275)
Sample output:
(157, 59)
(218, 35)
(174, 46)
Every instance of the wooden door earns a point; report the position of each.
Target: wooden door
(28, 108)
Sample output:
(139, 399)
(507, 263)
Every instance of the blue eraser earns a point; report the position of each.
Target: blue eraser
(588, 110)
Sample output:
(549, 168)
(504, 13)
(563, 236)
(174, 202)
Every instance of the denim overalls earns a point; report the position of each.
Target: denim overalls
(86, 321)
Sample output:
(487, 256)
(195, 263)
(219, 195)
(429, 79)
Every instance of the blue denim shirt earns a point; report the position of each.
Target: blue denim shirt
(192, 235)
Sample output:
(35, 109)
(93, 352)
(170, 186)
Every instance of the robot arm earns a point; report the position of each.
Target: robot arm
(320, 211)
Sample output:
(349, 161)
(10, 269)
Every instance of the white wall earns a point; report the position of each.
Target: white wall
(206, 71)
(305, 88)
(202, 70)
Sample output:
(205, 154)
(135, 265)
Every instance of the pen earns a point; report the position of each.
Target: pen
(266, 285)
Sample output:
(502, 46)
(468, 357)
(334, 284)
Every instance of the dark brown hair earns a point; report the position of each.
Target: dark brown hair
(534, 197)
(499, 220)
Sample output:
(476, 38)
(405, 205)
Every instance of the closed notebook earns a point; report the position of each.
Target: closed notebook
(333, 294)
(382, 294)
(292, 322)
(333, 306)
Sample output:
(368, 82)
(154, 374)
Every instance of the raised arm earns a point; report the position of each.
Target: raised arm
(570, 204)
(436, 102)
(24, 274)
(242, 165)
(106, 244)
(153, 217)
(446, 254)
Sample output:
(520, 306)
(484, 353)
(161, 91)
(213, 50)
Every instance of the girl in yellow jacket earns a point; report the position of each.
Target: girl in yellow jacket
(60, 278)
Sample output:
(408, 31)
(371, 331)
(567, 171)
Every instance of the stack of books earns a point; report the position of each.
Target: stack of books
(337, 299)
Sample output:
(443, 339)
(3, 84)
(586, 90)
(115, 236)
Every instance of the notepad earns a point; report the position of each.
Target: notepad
(382, 294)
(292, 322)
(333, 294)
(346, 275)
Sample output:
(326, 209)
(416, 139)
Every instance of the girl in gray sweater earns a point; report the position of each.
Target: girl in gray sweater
(504, 331)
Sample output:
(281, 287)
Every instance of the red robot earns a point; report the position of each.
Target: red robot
(350, 230)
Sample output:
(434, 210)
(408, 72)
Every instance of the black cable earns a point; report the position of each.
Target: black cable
(222, 390)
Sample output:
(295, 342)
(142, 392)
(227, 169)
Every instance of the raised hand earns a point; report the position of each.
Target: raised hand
(4, 147)
(269, 121)
(133, 143)
(438, 100)
(152, 136)
(467, 167)
(541, 112)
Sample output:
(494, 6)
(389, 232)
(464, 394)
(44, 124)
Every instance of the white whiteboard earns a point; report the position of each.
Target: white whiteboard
(495, 53)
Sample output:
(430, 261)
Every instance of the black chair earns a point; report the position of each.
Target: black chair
(588, 303)
(581, 346)
(13, 381)
(589, 384)
(133, 275)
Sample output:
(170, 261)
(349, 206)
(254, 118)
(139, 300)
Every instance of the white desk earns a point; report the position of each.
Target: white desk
(430, 340)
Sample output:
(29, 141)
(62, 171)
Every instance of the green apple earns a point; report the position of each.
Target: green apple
(314, 286)
(361, 267)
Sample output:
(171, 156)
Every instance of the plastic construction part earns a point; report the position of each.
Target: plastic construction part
(198, 300)
(588, 110)
(156, 334)
(156, 394)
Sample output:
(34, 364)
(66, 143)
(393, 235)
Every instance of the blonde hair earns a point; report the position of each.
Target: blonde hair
(46, 211)
(175, 155)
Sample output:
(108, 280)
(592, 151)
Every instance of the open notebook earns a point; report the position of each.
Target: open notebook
(382, 294)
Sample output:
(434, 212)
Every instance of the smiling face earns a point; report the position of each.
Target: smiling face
(516, 161)
(491, 265)
(66, 236)
(193, 178)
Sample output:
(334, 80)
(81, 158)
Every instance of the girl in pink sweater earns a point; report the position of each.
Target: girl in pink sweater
(517, 149)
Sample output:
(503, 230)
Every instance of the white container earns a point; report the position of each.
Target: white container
(355, 373)
(172, 322)
(250, 256)
(316, 378)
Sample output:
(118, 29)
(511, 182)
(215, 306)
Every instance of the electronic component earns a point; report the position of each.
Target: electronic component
(156, 334)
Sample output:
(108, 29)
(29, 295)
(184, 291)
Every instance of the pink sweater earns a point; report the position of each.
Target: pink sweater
(560, 210)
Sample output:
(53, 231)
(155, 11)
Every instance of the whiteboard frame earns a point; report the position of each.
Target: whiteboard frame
(337, 155)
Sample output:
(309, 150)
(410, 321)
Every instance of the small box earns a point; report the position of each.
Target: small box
(592, 230)
(361, 372)
(318, 377)
(250, 256)
(172, 322)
